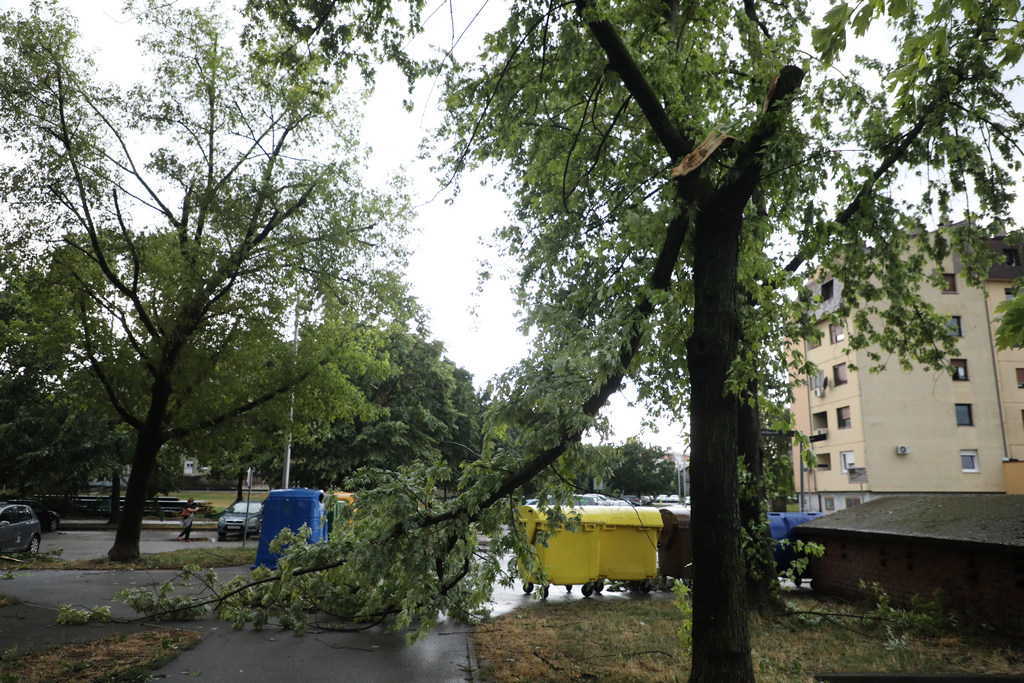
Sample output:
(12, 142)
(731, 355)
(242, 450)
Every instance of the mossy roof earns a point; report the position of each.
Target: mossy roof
(973, 518)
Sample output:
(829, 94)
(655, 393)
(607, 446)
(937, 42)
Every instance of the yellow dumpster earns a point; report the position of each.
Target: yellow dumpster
(570, 557)
(629, 543)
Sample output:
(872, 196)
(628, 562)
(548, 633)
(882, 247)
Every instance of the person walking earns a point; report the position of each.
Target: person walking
(187, 512)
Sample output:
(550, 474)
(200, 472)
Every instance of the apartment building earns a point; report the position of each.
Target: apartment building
(922, 431)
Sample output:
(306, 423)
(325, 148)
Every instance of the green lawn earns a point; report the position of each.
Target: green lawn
(218, 499)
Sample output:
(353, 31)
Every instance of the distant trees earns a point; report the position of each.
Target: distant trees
(642, 470)
(423, 407)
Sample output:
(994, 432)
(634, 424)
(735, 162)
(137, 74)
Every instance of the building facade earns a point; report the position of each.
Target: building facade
(923, 431)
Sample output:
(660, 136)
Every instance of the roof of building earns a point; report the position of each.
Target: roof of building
(967, 518)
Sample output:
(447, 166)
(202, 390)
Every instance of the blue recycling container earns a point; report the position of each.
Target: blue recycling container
(781, 525)
(290, 509)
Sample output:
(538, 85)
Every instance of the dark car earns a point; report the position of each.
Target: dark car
(231, 522)
(48, 519)
(19, 529)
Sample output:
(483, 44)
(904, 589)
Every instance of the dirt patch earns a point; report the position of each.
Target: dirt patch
(118, 658)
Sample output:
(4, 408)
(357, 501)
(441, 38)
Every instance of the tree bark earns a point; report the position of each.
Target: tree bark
(147, 446)
(721, 639)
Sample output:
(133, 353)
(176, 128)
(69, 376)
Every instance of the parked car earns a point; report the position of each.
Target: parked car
(48, 519)
(231, 522)
(19, 529)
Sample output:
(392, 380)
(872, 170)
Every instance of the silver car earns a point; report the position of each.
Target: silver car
(231, 522)
(19, 529)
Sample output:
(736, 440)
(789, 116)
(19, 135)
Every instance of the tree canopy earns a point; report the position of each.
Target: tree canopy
(184, 223)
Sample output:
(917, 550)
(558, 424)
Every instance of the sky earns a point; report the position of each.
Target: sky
(477, 322)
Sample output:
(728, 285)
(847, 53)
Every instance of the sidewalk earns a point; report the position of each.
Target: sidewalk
(270, 654)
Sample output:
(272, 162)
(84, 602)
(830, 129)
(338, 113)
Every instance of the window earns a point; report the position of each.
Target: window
(846, 461)
(830, 503)
(954, 326)
(1012, 257)
(835, 333)
(969, 461)
(963, 415)
(839, 374)
(950, 283)
(819, 422)
(843, 420)
(1008, 293)
(824, 461)
(850, 502)
(1020, 378)
(828, 290)
(960, 369)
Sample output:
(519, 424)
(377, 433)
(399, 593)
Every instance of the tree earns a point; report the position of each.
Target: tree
(422, 408)
(662, 154)
(642, 471)
(182, 220)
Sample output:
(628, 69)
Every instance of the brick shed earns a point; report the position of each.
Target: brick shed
(969, 546)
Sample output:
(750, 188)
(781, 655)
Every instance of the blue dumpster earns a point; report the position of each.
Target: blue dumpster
(781, 525)
(290, 509)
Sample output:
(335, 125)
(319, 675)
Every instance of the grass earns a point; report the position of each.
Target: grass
(600, 639)
(204, 555)
(118, 658)
(220, 500)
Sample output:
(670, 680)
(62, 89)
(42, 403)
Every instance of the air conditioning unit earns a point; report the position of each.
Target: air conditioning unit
(819, 392)
(902, 449)
(822, 432)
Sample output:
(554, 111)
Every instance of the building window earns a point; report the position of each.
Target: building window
(828, 290)
(1012, 257)
(955, 326)
(959, 369)
(830, 503)
(846, 461)
(190, 467)
(819, 422)
(963, 415)
(850, 502)
(969, 461)
(1020, 378)
(950, 283)
(824, 461)
(843, 420)
(1008, 293)
(835, 333)
(839, 374)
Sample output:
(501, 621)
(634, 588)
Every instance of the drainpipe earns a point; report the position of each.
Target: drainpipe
(995, 374)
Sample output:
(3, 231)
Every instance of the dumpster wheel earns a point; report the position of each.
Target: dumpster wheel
(544, 592)
(527, 588)
(599, 586)
(587, 589)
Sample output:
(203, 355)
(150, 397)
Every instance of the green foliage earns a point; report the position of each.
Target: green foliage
(1010, 317)
(70, 616)
(922, 617)
(162, 604)
(641, 470)
(682, 599)
(180, 228)
(422, 407)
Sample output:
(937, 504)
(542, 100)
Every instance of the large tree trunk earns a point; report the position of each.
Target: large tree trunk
(721, 638)
(147, 446)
